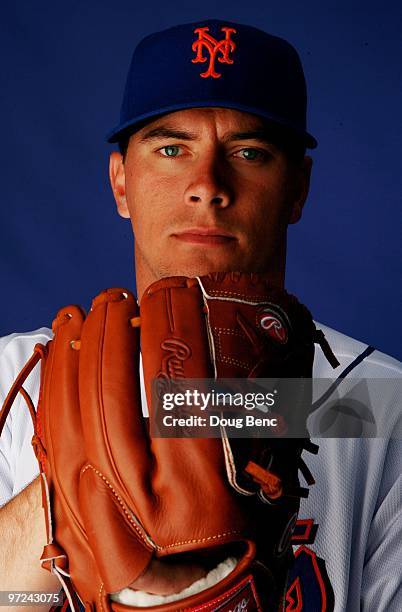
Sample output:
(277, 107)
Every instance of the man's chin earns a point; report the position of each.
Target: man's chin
(193, 269)
(201, 269)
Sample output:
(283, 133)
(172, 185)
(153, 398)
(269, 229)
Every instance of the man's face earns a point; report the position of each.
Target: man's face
(207, 191)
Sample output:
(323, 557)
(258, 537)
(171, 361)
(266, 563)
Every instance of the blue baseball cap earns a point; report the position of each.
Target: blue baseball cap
(215, 63)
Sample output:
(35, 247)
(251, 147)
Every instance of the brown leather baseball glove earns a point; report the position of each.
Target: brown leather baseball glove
(115, 497)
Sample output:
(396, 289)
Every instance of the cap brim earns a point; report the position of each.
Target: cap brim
(138, 121)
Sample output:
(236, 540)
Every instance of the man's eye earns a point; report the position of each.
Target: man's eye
(250, 154)
(170, 151)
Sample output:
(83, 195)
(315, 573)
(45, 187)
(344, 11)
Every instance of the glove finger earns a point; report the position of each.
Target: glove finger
(191, 472)
(115, 439)
(59, 427)
(113, 425)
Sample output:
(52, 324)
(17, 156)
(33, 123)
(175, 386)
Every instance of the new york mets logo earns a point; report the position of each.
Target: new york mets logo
(209, 44)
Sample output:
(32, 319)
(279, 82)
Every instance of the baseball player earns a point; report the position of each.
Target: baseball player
(211, 171)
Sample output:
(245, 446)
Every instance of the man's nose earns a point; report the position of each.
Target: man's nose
(209, 184)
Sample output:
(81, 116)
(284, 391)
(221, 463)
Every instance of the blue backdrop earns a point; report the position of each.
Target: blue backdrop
(63, 67)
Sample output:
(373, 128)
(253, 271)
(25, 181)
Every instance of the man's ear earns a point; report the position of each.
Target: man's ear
(302, 189)
(117, 178)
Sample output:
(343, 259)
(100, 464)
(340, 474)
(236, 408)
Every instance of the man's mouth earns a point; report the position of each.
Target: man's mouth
(205, 235)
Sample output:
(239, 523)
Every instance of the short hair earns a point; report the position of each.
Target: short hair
(123, 145)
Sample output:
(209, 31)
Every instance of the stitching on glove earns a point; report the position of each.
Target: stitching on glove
(100, 596)
(229, 330)
(220, 331)
(207, 539)
(147, 540)
(243, 296)
(235, 362)
(157, 546)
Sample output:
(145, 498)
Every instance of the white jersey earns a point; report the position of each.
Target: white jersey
(348, 539)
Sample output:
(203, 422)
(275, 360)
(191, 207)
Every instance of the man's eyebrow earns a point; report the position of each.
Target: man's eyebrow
(167, 132)
(164, 131)
(262, 135)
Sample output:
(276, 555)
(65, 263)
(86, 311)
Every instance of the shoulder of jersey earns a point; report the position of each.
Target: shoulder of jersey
(17, 348)
(348, 350)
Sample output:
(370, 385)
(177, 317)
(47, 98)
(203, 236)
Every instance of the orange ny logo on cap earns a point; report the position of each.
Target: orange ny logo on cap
(206, 42)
